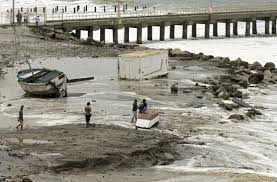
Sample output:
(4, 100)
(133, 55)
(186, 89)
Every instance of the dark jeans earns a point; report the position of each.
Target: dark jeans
(88, 119)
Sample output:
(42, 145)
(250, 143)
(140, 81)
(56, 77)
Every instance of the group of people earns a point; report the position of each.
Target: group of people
(19, 18)
(142, 108)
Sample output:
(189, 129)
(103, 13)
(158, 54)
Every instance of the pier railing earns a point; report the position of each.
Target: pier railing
(48, 17)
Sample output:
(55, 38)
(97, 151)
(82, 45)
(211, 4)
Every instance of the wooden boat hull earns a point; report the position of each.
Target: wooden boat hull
(147, 121)
(53, 87)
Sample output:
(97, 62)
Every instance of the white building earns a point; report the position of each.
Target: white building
(142, 65)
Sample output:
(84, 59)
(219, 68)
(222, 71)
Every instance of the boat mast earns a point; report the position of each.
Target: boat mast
(13, 14)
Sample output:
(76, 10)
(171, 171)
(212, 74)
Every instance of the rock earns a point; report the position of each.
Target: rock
(205, 57)
(228, 106)
(240, 63)
(179, 53)
(169, 156)
(244, 83)
(226, 60)
(236, 117)
(61, 37)
(51, 34)
(268, 74)
(173, 68)
(9, 105)
(269, 66)
(174, 89)
(256, 66)
(253, 112)
(256, 78)
(59, 31)
(236, 94)
(224, 95)
(25, 179)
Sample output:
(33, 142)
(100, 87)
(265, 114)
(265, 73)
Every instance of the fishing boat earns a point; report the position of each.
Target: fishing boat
(43, 82)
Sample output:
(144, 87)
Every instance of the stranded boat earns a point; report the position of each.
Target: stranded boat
(147, 120)
(43, 82)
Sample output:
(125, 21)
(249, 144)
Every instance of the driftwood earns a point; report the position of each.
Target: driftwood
(242, 103)
(80, 79)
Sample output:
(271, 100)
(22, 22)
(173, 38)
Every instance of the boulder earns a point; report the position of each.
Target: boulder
(51, 34)
(253, 112)
(268, 74)
(223, 95)
(269, 66)
(241, 103)
(236, 117)
(256, 66)
(244, 84)
(25, 179)
(236, 94)
(228, 106)
(179, 53)
(226, 60)
(61, 37)
(256, 78)
(205, 57)
(240, 63)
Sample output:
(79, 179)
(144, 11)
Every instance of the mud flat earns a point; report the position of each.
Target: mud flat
(74, 148)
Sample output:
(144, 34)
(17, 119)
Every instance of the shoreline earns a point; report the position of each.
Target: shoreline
(223, 88)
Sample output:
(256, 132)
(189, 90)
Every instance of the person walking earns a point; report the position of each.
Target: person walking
(25, 17)
(135, 111)
(88, 114)
(37, 20)
(20, 118)
(18, 17)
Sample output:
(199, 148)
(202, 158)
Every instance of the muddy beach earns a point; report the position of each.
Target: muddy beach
(194, 132)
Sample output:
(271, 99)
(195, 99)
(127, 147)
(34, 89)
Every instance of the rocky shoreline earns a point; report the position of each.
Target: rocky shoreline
(229, 88)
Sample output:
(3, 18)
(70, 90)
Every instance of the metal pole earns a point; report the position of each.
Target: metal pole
(13, 14)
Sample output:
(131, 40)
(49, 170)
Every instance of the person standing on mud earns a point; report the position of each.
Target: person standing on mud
(20, 118)
(88, 114)
(135, 111)
(19, 18)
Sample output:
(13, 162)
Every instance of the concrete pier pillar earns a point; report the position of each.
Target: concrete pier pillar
(102, 35)
(207, 30)
(162, 31)
(254, 27)
(126, 34)
(194, 30)
(247, 28)
(274, 26)
(90, 32)
(185, 31)
(115, 35)
(235, 28)
(172, 32)
(139, 35)
(215, 30)
(78, 34)
(267, 26)
(227, 27)
(149, 33)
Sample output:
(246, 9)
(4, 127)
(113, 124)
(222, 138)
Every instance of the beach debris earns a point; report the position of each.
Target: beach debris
(241, 103)
(174, 89)
(253, 112)
(80, 79)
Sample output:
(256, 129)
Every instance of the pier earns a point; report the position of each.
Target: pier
(149, 18)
